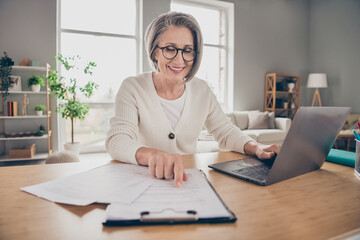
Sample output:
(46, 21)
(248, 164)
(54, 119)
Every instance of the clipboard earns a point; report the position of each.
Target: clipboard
(169, 216)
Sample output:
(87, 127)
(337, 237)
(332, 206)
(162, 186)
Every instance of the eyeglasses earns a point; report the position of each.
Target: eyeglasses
(170, 52)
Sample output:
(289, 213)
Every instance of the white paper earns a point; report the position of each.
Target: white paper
(196, 194)
(109, 183)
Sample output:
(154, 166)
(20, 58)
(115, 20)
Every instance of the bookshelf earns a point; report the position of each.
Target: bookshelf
(282, 94)
(17, 131)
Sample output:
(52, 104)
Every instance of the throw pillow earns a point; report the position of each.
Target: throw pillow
(271, 120)
(258, 120)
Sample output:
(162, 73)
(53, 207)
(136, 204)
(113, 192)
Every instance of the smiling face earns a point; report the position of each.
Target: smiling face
(175, 69)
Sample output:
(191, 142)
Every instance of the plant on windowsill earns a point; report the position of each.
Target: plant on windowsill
(39, 109)
(6, 81)
(69, 87)
(35, 82)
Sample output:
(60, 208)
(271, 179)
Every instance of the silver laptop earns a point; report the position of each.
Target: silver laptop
(312, 134)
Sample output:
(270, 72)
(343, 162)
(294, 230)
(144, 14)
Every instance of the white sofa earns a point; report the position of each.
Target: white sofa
(276, 135)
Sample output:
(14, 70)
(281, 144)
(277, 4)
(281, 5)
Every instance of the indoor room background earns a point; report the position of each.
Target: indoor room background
(295, 37)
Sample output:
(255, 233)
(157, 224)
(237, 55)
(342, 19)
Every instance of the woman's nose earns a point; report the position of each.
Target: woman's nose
(178, 58)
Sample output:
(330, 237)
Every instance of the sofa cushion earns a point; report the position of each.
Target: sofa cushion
(241, 119)
(258, 120)
(266, 135)
(271, 120)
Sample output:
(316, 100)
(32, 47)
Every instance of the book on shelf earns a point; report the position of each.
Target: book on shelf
(12, 108)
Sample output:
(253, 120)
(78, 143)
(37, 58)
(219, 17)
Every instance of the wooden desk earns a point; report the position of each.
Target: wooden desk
(317, 205)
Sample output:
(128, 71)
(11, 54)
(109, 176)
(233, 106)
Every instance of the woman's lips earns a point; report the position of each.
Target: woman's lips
(176, 69)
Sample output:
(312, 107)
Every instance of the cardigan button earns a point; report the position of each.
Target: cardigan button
(171, 136)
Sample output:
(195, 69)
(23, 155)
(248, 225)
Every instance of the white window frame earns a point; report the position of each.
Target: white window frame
(228, 9)
(139, 66)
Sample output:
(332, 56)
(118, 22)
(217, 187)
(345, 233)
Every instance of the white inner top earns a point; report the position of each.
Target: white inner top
(173, 108)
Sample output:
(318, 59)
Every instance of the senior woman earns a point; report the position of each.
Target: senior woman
(159, 114)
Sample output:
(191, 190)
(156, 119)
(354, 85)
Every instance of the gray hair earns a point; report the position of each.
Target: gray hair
(160, 24)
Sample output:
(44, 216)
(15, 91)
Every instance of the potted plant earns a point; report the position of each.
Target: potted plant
(39, 109)
(41, 131)
(6, 81)
(35, 82)
(69, 87)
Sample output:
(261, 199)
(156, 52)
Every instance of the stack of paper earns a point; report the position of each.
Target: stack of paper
(131, 190)
(109, 183)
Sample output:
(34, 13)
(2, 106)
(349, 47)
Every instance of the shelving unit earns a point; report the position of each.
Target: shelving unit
(30, 122)
(277, 93)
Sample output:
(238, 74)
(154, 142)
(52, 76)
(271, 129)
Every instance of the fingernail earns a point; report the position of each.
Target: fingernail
(178, 184)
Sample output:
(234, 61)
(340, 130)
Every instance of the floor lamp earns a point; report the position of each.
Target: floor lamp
(317, 80)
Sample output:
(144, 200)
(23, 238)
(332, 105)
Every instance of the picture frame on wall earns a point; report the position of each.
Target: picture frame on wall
(17, 84)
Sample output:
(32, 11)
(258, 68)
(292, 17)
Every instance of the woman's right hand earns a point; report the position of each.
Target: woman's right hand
(162, 165)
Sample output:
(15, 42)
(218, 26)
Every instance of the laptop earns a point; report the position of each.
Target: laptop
(311, 136)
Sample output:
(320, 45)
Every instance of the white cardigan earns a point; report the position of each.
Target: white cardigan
(140, 121)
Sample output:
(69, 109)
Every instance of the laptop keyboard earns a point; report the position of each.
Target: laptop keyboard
(259, 172)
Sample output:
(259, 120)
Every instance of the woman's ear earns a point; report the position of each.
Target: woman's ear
(156, 55)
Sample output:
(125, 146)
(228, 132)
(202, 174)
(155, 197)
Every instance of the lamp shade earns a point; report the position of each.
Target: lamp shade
(317, 80)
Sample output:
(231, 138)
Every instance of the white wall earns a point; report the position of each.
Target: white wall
(28, 30)
(152, 9)
(335, 50)
(270, 36)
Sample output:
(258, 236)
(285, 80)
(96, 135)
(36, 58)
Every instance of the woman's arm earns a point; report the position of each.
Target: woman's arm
(122, 137)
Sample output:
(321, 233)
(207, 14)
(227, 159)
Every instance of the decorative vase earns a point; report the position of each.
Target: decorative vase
(73, 147)
(35, 88)
(291, 87)
(39, 113)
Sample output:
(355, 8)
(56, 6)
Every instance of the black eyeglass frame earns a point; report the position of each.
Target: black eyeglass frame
(177, 51)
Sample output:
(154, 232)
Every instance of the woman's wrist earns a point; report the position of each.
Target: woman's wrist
(143, 154)
(251, 147)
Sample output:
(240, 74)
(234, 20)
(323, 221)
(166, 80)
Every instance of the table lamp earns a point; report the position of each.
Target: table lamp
(317, 80)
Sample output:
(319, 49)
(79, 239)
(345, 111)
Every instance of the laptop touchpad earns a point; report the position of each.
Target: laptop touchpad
(248, 162)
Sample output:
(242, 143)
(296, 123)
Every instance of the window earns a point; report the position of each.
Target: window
(107, 33)
(216, 22)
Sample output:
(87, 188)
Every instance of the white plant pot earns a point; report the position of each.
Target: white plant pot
(73, 147)
(35, 88)
(39, 113)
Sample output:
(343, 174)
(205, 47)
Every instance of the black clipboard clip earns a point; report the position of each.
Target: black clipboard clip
(168, 215)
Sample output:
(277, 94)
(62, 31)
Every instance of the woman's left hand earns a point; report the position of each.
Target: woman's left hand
(261, 151)
(267, 151)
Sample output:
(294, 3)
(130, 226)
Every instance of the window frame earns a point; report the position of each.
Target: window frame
(61, 123)
(228, 10)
